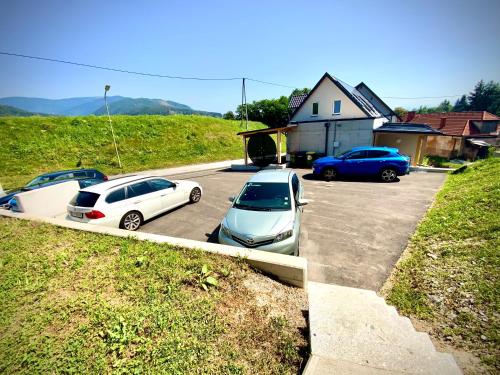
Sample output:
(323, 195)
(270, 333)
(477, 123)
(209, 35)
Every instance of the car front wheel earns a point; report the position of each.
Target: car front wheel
(388, 175)
(195, 195)
(329, 174)
(131, 220)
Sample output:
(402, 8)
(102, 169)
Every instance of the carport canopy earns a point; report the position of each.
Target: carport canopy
(277, 131)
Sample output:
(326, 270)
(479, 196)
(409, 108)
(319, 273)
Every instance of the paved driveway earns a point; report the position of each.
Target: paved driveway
(353, 232)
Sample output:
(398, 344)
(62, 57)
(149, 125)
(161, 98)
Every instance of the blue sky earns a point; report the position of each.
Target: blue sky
(399, 48)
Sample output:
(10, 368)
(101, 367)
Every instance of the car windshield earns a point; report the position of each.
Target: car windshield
(264, 196)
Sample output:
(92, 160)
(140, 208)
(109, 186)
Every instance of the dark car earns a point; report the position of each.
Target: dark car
(85, 178)
(384, 162)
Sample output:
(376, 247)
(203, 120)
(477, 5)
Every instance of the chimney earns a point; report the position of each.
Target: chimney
(442, 123)
(410, 116)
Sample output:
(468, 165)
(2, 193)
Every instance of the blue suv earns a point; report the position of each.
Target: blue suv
(384, 162)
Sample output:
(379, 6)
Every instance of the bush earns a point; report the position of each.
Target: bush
(434, 161)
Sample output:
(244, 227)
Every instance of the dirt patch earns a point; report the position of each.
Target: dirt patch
(273, 315)
(280, 299)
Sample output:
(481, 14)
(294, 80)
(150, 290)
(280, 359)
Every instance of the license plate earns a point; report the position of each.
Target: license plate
(76, 214)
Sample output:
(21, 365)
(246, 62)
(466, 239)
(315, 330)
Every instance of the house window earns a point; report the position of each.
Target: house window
(336, 107)
(315, 109)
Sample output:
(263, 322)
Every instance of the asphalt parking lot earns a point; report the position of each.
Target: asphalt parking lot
(353, 231)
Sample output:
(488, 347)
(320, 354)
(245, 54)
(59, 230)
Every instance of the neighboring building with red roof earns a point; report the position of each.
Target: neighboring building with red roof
(466, 134)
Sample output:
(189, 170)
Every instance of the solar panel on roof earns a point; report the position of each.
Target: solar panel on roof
(359, 97)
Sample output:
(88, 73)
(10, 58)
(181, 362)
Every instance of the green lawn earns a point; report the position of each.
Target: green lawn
(450, 275)
(77, 302)
(32, 145)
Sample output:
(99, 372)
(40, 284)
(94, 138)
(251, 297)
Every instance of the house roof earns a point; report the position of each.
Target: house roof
(296, 100)
(362, 84)
(351, 92)
(406, 127)
(454, 123)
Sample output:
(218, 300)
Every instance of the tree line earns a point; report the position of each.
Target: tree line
(272, 112)
(484, 97)
(275, 112)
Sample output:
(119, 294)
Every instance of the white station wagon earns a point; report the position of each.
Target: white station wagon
(128, 201)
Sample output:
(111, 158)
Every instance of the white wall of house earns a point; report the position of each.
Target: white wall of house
(349, 134)
(378, 122)
(325, 94)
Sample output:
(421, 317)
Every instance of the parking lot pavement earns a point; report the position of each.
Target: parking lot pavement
(353, 232)
(200, 221)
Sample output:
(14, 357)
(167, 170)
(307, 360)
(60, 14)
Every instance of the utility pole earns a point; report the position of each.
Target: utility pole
(106, 89)
(244, 103)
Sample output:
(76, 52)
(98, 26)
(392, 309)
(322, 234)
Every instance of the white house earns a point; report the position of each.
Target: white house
(334, 117)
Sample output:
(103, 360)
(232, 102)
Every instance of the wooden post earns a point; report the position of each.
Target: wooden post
(419, 151)
(422, 148)
(246, 149)
(278, 148)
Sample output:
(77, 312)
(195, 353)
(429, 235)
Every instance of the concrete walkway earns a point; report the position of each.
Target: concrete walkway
(353, 331)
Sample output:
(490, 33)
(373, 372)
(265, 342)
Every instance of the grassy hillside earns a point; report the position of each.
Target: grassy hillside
(450, 275)
(82, 303)
(30, 146)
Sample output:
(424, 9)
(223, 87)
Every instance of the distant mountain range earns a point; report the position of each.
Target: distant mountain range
(118, 105)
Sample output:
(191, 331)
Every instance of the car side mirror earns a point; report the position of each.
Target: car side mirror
(302, 202)
(231, 199)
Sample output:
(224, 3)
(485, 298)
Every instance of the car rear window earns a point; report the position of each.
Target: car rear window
(85, 199)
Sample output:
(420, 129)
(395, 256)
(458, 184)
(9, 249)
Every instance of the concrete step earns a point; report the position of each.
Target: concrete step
(385, 356)
(367, 335)
(317, 365)
(354, 327)
(369, 319)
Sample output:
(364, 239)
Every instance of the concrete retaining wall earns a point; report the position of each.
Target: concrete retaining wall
(49, 201)
(290, 269)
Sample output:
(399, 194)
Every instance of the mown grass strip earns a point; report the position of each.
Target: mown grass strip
(450, 275)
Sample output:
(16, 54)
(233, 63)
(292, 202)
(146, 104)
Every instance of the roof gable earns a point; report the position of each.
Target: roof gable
(350, 92)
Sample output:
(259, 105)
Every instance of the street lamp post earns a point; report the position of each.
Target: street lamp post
(106, 89)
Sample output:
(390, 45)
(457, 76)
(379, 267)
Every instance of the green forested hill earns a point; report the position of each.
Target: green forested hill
(30, 146)
(7, 110)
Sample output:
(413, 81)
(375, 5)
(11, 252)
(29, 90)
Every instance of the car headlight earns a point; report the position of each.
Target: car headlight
(284, 235)
(224, 230)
